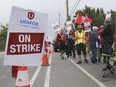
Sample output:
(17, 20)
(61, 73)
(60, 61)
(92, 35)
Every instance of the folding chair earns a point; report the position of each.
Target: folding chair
(110, 65)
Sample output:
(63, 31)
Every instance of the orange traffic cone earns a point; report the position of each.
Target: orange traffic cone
(45, 60)
(22, 77)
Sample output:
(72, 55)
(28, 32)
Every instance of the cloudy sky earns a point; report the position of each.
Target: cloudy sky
(52, 8)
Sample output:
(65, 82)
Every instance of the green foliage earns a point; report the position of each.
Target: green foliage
(113, 15)
(3, 35)
(2, 45)
(97, 15)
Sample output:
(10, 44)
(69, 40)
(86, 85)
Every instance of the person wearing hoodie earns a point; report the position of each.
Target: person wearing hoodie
(107, 36)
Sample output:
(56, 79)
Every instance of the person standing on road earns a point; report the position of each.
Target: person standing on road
(107, 36)
(94, 40)
(80, 43)
(61, 39)
(100, 30)
(70, 44)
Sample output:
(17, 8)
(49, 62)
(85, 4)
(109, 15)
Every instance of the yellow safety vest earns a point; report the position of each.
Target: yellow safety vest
(80, 37)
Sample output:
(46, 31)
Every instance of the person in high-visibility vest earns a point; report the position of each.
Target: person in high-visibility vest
(80, 43)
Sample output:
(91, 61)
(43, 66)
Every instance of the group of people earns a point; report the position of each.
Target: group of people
(99, 40)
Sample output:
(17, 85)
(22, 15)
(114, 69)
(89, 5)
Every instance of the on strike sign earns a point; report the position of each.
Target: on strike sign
(25, 43)
(25, 39)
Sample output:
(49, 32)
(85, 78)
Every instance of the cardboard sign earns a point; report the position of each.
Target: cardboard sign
(47, 44)
(108, 16)
(87, 26)
(26, 31)
(56, 27)
(68, 26)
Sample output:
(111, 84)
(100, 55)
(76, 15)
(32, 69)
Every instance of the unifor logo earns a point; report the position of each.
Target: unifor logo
(31, 15)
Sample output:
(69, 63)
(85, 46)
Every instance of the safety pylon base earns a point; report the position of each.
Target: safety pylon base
(22, 77)
(46, 65)
(23, 86)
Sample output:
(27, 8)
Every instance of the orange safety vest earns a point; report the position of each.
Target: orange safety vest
(80, 37)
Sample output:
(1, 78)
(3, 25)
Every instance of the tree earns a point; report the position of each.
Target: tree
(4, 31)
(3, 35)
(113, 19)
(97, 15)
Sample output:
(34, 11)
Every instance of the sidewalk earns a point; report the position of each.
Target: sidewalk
(2, 54)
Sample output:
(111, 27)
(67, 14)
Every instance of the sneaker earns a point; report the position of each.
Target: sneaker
(65, 56)
(61, 56)
(79, 62)
(86, 60)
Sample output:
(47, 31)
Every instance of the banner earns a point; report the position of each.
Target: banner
(87, 26)
(108, 16)
(47, 44)
(56, 26)
(68, 26)
(26, 31)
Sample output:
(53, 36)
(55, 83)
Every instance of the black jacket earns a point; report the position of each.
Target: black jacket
(107, 35)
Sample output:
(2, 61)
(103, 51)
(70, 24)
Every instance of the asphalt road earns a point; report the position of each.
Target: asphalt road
(61, 73)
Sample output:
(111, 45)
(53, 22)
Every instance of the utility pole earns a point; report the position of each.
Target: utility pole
(67, 10)
(59, 18)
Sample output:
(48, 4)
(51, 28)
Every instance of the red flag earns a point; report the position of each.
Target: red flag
(88, 20)
(79, 19)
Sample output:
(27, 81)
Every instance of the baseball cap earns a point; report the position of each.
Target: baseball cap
(95, 28)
